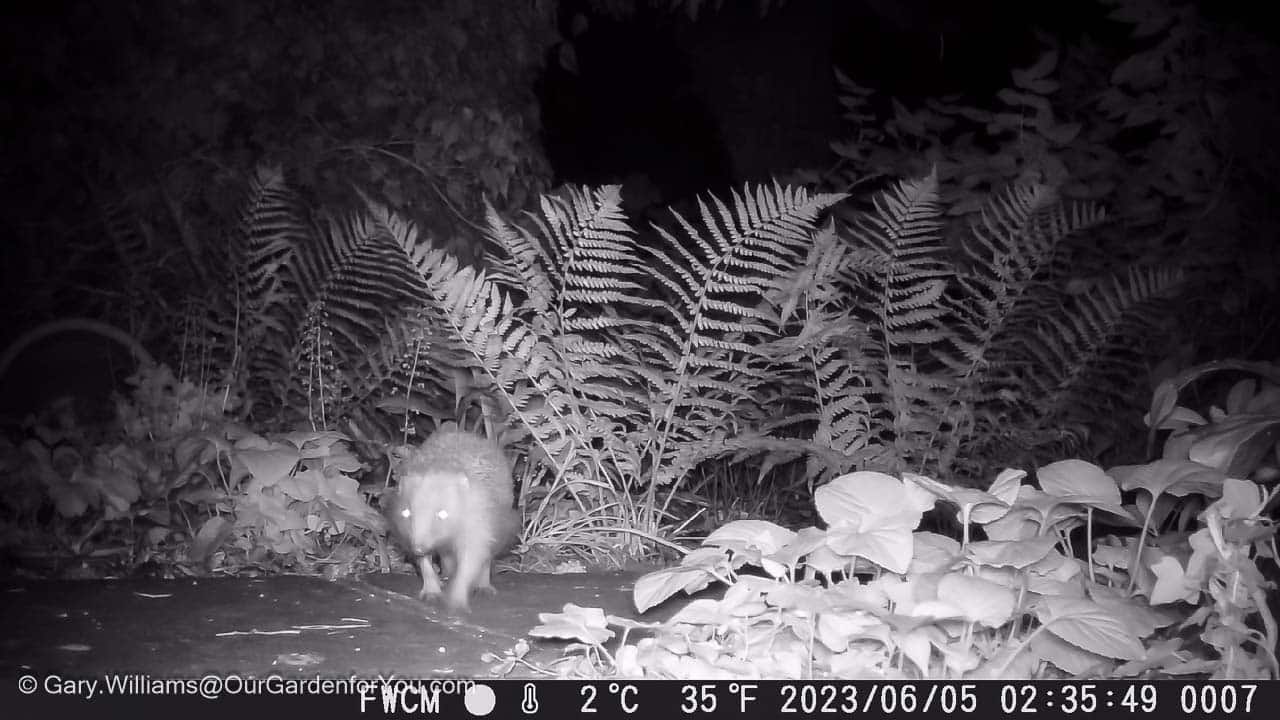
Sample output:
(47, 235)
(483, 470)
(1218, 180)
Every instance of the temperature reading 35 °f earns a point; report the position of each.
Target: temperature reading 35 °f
(625, 694)
(703, 698)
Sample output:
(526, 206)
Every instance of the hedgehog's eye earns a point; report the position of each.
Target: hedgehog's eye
(404, 513)
(443, 515)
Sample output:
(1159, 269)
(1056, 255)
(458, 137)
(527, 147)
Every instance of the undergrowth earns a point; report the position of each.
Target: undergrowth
(175, 486)
(1048, 579)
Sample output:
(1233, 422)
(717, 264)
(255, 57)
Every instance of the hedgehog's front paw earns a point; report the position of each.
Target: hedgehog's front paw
(430, 581)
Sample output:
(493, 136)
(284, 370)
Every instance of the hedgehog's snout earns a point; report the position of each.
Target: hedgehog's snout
(414, 531)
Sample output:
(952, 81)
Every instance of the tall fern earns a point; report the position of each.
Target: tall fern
(1012, 257)
(713, 356)
(255, 324)
(306, 303)
(823, 399)
(903, 291)
(543, 334)
(622, 364)
(924, 356)
(626, 364)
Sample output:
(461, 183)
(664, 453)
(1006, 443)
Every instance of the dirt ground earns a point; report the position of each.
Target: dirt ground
(283, 624)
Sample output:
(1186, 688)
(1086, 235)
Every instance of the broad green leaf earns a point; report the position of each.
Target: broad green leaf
(1170, 585)
(1010, 553)
(1089, 626)
(588, 625)
(933, 553)
(1236, 444)
(865, 500)
(761, 535)
(981, 601)
(890, 548)
(1175, 477)
(1076, 479)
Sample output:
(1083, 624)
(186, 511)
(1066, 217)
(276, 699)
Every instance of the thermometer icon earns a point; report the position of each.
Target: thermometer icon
(529, 705)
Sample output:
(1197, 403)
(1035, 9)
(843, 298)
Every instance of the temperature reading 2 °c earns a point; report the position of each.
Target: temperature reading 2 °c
(626, 695)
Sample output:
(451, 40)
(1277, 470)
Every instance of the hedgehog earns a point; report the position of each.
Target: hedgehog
(454, 504)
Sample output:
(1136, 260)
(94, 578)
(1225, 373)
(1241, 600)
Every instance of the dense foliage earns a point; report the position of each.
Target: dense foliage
(314, 250)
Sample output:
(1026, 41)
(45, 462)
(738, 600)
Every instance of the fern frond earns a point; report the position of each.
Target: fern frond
(272, 232)
(903, 283)
(1010, 252)
(905, 232)
(414, 361)
(1081, 341)
(521, 265)
(549, 356)
(255, 332)
(717, 277)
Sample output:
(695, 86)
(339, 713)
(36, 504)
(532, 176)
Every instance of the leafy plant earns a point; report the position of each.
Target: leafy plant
(95, 486)
(295, 497)
(175, 480)
(867, 597)
(1226, 557)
